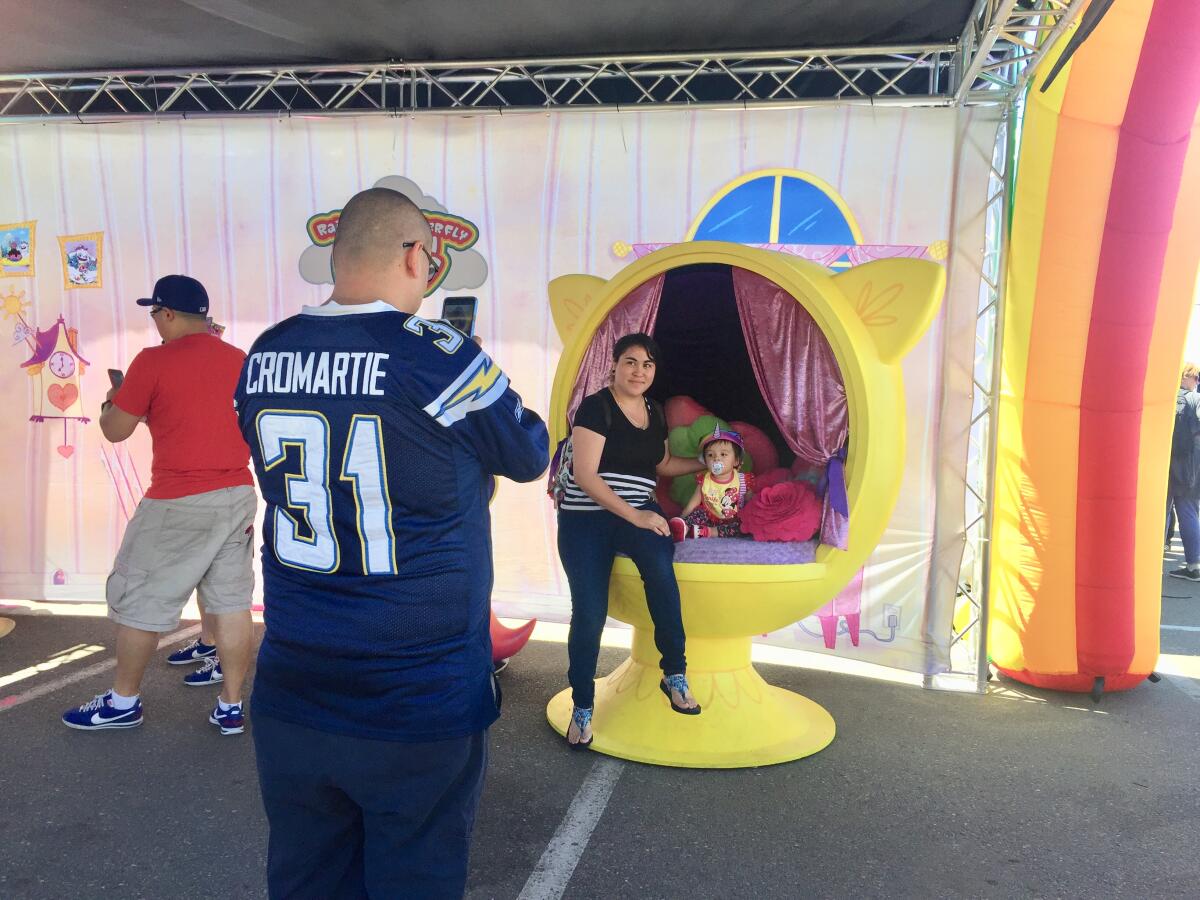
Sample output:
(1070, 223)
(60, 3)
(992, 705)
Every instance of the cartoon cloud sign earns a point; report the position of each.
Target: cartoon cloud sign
(454, 237)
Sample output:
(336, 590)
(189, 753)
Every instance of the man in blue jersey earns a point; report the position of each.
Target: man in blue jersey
(374, 433)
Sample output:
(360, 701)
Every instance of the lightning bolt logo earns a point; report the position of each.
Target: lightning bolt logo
(477, 388)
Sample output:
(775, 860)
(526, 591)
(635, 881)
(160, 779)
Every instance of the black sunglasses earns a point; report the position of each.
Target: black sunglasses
(435, 266)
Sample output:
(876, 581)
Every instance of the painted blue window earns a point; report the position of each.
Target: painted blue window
(808, 216)
(743, 215)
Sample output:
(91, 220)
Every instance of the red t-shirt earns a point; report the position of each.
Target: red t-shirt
(185, 390)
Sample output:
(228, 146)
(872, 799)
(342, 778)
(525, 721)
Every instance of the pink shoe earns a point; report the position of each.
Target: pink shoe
(678, 529)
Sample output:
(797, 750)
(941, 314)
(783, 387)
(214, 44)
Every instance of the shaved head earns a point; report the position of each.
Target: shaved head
(373, 226)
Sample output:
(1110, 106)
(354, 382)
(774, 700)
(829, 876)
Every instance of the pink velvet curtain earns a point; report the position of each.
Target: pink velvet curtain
(800, 380)
(637, 312)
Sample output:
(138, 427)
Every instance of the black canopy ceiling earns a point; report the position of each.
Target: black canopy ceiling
(60, 35)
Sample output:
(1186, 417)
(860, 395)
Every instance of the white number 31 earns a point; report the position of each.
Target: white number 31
(315, 547)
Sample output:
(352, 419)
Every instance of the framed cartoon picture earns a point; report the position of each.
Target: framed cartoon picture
(82, 259)
(17, 244)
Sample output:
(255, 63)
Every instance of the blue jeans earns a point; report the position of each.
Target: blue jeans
(588, 542)
(1187, 513)
(353, 817)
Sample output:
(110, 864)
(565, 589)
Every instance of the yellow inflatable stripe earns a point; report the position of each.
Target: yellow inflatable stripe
(1014, 577)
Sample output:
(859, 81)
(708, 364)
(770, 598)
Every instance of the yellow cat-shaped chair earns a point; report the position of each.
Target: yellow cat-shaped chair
(872, 315)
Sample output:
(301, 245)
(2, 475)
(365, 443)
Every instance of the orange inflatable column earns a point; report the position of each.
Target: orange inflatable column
(1092, 271)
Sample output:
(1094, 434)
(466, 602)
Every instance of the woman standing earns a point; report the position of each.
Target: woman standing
(619, 439)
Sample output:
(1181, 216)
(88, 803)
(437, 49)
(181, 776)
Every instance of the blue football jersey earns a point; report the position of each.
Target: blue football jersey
(375, 435)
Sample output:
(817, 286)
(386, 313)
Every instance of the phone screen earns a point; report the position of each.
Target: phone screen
(460, 312)
(115, 377)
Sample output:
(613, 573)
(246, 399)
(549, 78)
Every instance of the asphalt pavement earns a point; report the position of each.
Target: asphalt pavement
(1020, 793)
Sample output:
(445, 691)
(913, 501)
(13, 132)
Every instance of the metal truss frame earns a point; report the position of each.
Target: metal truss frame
(911, 75)
(1001, 45)
(968, 644)
(1004, 41)
(999, 48)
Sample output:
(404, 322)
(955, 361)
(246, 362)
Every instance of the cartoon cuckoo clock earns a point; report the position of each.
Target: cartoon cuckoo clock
(56, 368)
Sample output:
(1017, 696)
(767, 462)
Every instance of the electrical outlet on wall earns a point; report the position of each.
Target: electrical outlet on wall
(891, 616)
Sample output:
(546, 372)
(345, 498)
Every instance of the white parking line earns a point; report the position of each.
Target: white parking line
(1180, 627)
(549, 878)
(14, 700)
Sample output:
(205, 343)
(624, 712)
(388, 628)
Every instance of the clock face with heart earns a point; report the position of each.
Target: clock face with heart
(61, 364)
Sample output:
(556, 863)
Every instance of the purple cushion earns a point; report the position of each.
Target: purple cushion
(744, 552)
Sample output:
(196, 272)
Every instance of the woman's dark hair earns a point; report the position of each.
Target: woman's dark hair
(630, 341)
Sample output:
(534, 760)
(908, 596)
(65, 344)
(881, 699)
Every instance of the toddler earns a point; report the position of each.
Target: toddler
(721, 491)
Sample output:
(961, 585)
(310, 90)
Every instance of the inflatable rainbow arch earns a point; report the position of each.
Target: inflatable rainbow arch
(1101, 279)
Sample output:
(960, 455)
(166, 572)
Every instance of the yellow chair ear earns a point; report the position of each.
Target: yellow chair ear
(896, 299)
(570, 298)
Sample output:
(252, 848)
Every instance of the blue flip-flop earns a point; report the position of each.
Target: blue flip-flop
(679, 684)
(581, 718)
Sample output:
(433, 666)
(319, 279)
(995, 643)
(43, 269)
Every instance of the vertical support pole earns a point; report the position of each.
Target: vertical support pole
(968, 645)
(982, 666)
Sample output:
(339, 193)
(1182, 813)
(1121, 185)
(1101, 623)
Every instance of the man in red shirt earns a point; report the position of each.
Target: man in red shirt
(194, 529)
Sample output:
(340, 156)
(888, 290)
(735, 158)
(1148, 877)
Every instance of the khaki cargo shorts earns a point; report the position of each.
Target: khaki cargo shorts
(201, 543)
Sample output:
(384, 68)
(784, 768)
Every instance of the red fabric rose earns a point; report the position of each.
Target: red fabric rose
(790, 511)
(774, 476)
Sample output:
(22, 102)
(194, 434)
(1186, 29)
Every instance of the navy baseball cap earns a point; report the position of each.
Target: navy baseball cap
(180, 293)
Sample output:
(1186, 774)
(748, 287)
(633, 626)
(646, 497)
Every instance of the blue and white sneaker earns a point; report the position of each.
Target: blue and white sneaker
(99, 713)
(230, 721)
(193, 652)
(209, 673)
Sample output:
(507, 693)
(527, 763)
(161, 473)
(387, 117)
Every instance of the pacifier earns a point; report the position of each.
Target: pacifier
(716, 467)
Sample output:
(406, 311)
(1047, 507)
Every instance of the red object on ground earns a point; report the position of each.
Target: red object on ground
(507, 642)
(790, 511)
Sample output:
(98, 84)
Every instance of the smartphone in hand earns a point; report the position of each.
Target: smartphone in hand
(116, 377)
(460, 312)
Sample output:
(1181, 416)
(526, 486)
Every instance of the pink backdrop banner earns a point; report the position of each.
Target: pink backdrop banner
(228, 201)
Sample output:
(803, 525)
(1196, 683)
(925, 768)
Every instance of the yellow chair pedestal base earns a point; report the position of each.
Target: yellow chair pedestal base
(744, 721)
